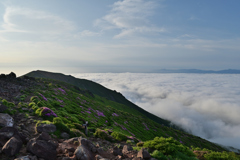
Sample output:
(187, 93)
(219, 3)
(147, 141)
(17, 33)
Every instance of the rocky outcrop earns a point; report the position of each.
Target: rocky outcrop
(84, 151)
(143, 153)
(43, 147)
(12, 146)
(126, 149)
(48, 128)
(6, 120)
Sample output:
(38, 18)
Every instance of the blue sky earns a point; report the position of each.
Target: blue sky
(118, 36)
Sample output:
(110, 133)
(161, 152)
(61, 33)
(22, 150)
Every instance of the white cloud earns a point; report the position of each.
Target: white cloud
(207, 105)
(130, 17)
(26, 21)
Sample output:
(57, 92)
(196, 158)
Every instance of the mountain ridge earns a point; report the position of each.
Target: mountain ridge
(98, 89)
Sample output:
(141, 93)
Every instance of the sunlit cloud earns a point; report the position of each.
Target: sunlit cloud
(206, 105)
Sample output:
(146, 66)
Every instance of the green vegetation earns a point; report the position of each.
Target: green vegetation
(119, 136)
(68, 107)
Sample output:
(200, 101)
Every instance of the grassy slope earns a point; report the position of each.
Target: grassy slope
(73, 107)
(97, 89)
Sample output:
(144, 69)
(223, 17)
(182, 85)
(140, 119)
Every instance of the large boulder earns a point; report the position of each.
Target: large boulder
(2, 108)
(12, 146)
(8, 132)
(84, 151)
(48, 128)
(6, 120)
(143, 153)
(43, 147)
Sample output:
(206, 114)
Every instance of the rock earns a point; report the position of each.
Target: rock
(117, 151)
(143, 153)
(33, 158)
(137, 158)
(100, 150)
(23, 158)
(126, 149)
(6, 120)
(43, 147)
(121, 146)
(2, 108)
(8, 132)
(64, 135)
(66, 158)
(83, 152)
(103, 159)
(98, 157)
(49, 128)
(98, 144)
(12, 146)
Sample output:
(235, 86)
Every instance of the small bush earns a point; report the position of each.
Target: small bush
(159, 155)
(34, 99)
(118, 136)
(168, 146)
(57, 121)
(140, 144)
(76, 133)
(102, 134)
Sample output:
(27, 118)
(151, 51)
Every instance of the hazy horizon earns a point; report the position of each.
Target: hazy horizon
(119, 36)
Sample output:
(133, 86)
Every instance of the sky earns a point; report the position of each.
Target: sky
(206, 105)
(118, 35)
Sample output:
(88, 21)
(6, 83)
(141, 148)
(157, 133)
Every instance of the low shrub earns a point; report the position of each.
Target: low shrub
(34, 99)
(102, 134)
(76, 133)
(57, 121)
(168, 146)
(118, 136)
(159, 155)
(140, 144)
(221, 156)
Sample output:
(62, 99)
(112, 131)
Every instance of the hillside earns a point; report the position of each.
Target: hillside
(99, 90)
(43, 118)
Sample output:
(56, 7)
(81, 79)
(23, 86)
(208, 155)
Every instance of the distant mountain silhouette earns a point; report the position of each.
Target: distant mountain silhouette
(228, 71)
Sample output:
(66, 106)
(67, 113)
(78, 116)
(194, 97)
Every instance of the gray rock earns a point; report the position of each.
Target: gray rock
(23, 158)
(12, 146)
(117, 151)
(43, 147)
(143, 153)
(82, 153)
(49, 128)
(64, 135)
(100, 150)
(126, 149)
(98, 157)
(6, 120)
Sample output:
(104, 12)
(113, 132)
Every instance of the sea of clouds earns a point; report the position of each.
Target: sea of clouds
(206, 105)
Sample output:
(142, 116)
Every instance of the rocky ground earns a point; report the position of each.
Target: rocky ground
(20, 139)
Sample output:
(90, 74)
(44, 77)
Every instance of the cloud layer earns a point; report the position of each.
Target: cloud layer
(207, 105)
